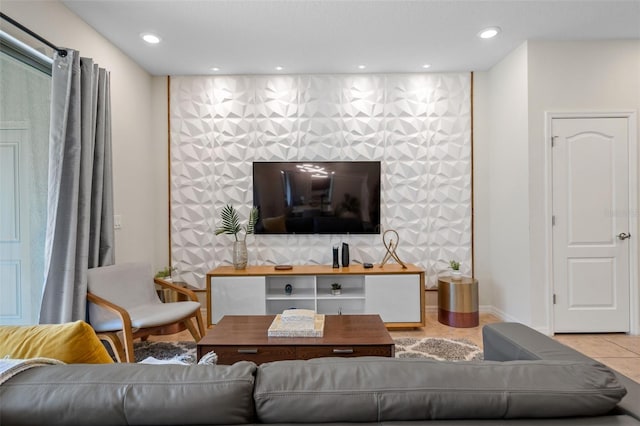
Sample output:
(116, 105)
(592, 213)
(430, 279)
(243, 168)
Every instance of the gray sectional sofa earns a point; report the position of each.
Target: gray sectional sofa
(526, 379)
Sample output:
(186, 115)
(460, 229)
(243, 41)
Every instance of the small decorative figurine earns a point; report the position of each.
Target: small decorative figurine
(391, 248)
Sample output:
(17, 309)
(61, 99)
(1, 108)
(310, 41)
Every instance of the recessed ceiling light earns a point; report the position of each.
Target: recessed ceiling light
(490, 32)
(425, 66)
(150, 38)
(361, 67)
(215, 69)
(279, 68)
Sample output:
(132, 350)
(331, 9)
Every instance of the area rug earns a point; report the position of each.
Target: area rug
(438, 348)
(441, 349)
(175, 351)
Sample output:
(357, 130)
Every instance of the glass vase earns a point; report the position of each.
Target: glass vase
(240, 254)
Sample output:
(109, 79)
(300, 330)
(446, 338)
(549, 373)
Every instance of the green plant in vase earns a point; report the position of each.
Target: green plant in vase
(167, 271)
(455, 269)
(231, 225)
(336, 289)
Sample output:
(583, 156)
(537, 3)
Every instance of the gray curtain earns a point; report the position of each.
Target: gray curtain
(80, 191)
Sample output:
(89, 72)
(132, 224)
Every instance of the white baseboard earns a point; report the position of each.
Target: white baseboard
(544, 330)
(503, 316)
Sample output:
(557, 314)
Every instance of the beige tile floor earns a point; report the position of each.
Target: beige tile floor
(618, 351)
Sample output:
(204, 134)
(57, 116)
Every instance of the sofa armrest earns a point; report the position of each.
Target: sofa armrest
(513, 341)
(510, 341)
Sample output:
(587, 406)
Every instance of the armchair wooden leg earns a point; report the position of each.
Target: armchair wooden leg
(114, 343)
(128, 344)
(201, 327)
(192, 329)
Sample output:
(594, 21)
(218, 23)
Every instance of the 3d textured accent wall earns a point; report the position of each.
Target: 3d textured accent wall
(417, 125)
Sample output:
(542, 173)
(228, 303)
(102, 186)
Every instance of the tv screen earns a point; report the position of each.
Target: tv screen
(312, 197)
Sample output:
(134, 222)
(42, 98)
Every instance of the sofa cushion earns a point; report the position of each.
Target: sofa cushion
(72, 343)
(379, 389)
(119, 394)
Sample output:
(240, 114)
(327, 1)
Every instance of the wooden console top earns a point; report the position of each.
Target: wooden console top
(355, 269)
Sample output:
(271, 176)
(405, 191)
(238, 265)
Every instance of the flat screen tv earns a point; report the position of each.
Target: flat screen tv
(317, 197)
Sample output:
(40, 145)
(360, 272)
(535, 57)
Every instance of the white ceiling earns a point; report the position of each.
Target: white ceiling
(335, 36)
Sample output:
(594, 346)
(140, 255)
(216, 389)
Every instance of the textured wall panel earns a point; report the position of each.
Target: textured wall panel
(417, 125)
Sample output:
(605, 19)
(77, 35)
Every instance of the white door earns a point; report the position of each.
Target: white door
(15, 290)
(591, 222)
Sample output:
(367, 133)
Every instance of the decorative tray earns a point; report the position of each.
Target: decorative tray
(278, 328)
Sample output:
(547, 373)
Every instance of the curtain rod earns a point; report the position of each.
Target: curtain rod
(61, 52)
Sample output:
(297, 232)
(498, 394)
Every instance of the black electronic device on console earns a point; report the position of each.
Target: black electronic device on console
(367, 265)
(345, 255)
(335, 257)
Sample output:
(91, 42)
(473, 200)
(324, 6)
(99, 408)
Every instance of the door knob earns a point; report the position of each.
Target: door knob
(624, 235)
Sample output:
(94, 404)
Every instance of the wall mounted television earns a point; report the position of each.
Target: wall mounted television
(317, 197)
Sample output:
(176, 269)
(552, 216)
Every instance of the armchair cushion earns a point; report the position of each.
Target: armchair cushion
(149, 315)
(127, 284)
(72, 343)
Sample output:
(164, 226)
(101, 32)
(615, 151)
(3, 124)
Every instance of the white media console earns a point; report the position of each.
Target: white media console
(394, 293)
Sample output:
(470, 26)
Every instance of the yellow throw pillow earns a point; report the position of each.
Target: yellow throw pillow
(72, 343)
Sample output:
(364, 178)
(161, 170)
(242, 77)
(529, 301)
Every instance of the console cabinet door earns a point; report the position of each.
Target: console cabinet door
(237, 296)
(396, 298)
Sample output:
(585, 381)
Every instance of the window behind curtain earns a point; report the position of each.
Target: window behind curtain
(25, 85)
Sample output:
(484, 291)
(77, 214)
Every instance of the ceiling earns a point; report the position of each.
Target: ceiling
(335, 36)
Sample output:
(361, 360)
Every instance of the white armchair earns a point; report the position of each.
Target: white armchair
(123, 298)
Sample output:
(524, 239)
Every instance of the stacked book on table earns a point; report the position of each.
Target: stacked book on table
(297, 323)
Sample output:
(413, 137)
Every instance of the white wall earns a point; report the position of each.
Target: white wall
(417, 125)
(481, 188)
(136, 129)
(571, 77)
(160, 162)
(509, 166)
(508, 187)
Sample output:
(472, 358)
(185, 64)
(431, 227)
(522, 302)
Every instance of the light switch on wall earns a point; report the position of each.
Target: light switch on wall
(117, 221)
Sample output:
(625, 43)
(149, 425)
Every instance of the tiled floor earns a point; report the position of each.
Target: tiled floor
(618, 351)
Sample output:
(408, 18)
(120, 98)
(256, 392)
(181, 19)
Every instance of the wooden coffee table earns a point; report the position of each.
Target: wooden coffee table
(244, 338)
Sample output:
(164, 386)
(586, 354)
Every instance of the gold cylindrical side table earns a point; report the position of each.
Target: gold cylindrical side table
(458, 302)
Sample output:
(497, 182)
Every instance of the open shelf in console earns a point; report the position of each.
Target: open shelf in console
(352, 286)
(302, 287)
(302, 296)
(275, 307)
(339, 305)
(351, 299)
